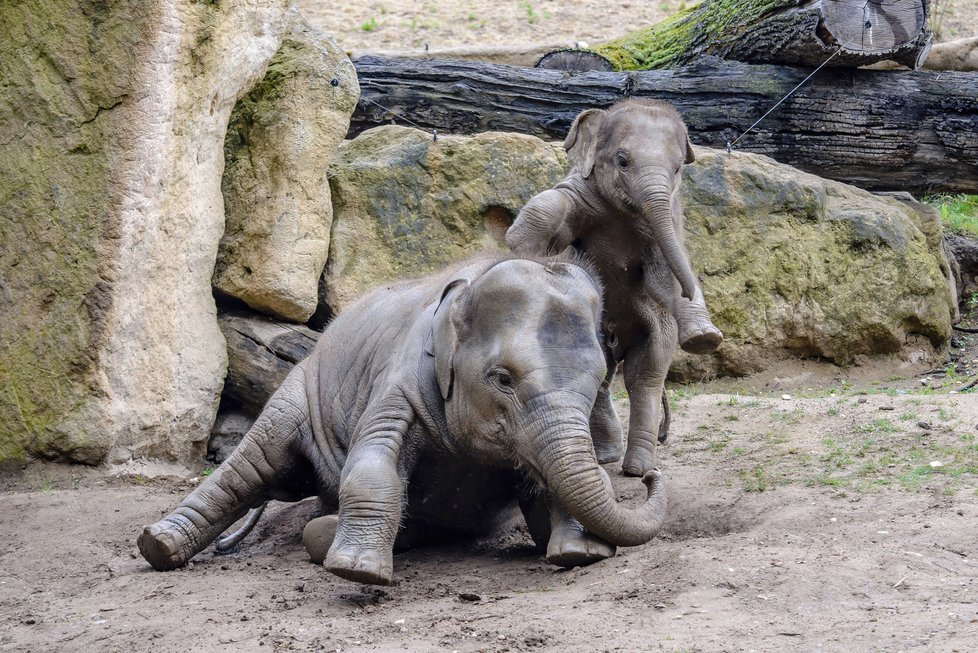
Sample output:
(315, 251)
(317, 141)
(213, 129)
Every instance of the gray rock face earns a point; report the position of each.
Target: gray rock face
(796, 265)
(277, 201)
(405, 204)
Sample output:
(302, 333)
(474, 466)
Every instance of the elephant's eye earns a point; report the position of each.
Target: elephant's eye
(503, 379)
(622, 160)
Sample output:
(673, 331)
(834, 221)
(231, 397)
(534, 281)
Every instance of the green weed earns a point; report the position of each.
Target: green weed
(958, 212)
(369, 25)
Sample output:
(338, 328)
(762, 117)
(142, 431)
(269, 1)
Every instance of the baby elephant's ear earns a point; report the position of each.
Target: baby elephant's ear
(582, 139)
(444, 335)
(690, 157)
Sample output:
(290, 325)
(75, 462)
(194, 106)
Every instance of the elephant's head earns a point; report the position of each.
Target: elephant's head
(518, 359)
(633, 154)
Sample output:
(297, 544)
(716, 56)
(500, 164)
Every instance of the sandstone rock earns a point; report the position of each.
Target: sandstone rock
(112, 126)
(405, 204)
(796, 265)
(277, 203)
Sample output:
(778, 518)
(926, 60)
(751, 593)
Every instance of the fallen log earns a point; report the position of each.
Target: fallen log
(261, 353)
(788, 32)
(913, 131)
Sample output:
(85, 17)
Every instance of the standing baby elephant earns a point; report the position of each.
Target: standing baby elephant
(421, 401)
(620, 206)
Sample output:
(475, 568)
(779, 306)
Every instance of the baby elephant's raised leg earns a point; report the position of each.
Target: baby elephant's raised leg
(697, 333)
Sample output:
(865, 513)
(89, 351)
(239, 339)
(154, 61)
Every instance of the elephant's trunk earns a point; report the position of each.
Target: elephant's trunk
(561, 445)
(656, 204)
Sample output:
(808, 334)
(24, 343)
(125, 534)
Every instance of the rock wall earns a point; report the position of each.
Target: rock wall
(113, 119)
(405, 204)
(278, 209)
(796, 265)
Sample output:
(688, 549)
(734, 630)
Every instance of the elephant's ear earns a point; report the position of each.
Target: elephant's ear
(582, 139)
(690, 157)
(444, 335)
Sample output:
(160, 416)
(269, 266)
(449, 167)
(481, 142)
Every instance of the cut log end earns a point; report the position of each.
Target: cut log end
(575, 60)
(864, 27)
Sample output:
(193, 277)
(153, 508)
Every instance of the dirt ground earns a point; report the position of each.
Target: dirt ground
(411, 24)
(811, 508)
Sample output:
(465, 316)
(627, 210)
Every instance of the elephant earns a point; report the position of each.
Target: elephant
(435, 404)
(620, 207)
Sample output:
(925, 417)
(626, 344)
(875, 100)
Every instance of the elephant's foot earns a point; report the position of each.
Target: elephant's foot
(571, 546)
(361, 565)
(318, 537)
(638, 461)
(168, 543)
(699, 337)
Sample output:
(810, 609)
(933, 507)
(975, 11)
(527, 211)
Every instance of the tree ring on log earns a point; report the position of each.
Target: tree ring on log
(872, 26)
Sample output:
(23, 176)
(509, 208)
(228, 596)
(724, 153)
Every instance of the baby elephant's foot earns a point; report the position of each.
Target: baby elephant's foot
(318, 536)
(361, 565)
(638, 461)
(571, 546)
(699, 338)
(167, 544)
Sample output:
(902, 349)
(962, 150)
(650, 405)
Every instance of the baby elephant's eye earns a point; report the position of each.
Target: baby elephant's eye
(622, 160)
(503, 379)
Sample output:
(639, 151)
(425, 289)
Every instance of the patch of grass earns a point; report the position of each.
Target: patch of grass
(945, 415)
(208, 471)
(682, 393)
(878, 425)
(532, 15)
(369, 25)
(958, 212)
(792, 417)
(754, 480)
(720, 442)
(907, 417)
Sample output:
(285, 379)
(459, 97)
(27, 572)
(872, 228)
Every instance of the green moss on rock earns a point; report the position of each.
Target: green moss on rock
(404, 204)
(63, 68)
(797, 265)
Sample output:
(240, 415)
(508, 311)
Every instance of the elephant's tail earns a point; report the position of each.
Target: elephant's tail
(225, 542)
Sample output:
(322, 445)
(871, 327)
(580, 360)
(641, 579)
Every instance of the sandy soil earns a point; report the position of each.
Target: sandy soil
(841, 518)
(410, 24)
(808, 511)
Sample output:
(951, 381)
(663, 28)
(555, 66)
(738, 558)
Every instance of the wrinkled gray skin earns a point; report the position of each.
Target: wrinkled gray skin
(434, 402)
(620, 207)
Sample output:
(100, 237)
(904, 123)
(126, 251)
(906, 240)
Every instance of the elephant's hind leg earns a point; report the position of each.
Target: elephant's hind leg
(249, 477)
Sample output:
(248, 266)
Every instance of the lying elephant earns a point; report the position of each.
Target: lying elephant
(432, 401)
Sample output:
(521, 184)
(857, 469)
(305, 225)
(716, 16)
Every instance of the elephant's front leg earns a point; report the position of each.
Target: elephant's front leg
(568, 543)
(245, 480)
(697, 333)
(371, 499)
(645, 369)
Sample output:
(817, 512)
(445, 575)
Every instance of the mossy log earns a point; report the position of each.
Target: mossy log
(261, 353)
(789, 32)
(913, 131)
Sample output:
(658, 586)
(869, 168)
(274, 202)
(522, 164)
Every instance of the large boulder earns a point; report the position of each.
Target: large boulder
(112, 129)
(277, 201)
(794, 265)
(405, 203)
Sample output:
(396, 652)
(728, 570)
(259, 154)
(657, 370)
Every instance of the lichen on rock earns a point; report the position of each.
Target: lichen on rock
(405, 204)
(796, 265)
(277, 201)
